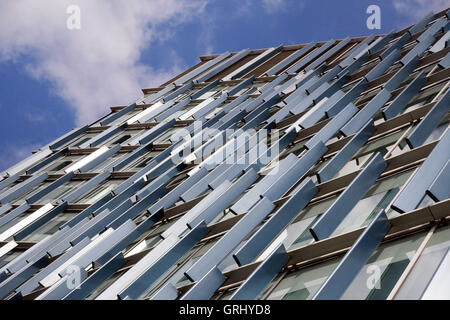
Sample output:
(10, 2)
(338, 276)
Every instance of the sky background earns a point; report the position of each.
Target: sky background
(53, 79)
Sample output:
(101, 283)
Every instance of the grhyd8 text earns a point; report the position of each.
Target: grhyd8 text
(246, 309)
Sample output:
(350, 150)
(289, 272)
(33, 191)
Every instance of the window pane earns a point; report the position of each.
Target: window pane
(5, 259)
(50, 227)
(416, 282)
(303, 284)
(380, 274)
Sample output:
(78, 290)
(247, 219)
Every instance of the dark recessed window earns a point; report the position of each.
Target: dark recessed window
(121, 139)
(61, 165)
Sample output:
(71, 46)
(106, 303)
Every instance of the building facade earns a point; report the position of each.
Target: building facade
(312, 171)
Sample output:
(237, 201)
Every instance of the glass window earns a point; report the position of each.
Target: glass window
(175, 274)
(60, 164)
(414, 74)
(105, 285)
(149, 239)
(21, 199)
(13, 222)
(429, 93)
(426, 266)
(378, 277)
(438, 288)
(295, 149)
(367, 97)
(52, 195)
(379, 196)
(435, 135)
(381, 144)
(351, 166)
(75, 141)
(374, 281)
(413, 106)
(199, 251)
(223, 215)
(367, 65)
(401, 148)
(145, 245)
(82, 139)
(59, 192)
(99, 192)
(142, 161)
(122, 137)
(303, 284)
(8, 257)
(297, 233)
(50, 227)
(367, 152)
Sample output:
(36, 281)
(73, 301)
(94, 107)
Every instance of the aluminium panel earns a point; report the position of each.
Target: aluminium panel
(414, 190)
(206, 287)
(440, 188)
(402, 99)
(226, 244)
(330, 129)
(256, 244)
(346, 153)
(310, 57)
(431, 120)
(202, 68)
(222, 66)
(160, 266)
(367, 113)
(291, 58)
(345, 202)
(22, 187)
(242, 70)
(328, 54)
(262, 275)
(354, 260)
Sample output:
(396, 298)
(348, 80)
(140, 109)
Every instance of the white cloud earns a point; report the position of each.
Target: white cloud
(97, 66)
(272, 6)
(414, 10)
(245, 7)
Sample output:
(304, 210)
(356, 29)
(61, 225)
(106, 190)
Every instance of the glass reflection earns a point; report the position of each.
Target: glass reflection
(431, 260)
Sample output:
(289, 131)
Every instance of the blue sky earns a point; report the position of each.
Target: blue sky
(54, 79)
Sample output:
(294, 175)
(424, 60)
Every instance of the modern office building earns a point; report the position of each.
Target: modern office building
(311, 171)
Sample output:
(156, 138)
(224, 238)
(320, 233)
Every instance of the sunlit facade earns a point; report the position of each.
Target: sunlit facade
(310, 171)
